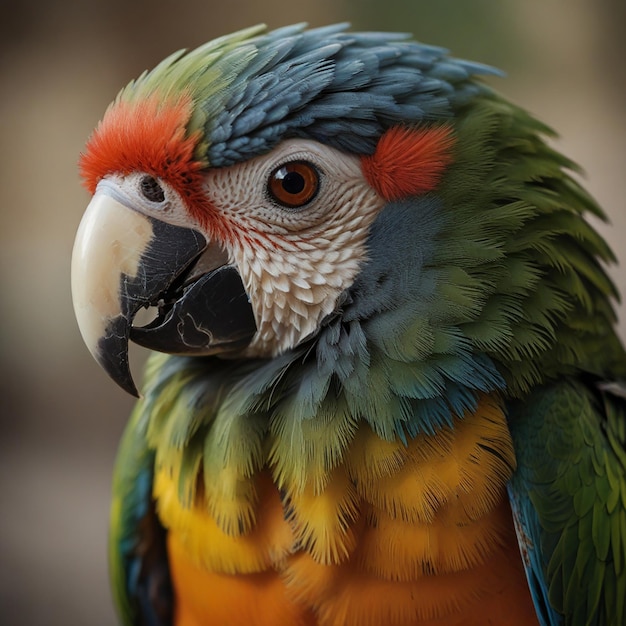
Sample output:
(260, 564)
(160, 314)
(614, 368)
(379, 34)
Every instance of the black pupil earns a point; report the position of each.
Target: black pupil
(151, 189)
(293, 182)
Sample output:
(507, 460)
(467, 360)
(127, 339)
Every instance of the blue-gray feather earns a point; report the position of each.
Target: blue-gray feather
(340, 88)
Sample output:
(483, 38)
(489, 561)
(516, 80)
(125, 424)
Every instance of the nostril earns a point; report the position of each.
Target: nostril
(151, 189)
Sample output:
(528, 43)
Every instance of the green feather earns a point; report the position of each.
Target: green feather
(137, 558)
(543, 297)
(566, 450)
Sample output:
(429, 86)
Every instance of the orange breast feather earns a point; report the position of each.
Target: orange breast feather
(400, 535)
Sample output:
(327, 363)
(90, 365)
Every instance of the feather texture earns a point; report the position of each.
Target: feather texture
(358, 474)
(569, 493)
(429, 517)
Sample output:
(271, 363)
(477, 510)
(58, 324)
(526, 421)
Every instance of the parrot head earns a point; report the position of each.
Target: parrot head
(356, 192)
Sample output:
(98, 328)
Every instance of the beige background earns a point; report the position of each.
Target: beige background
(61, 62)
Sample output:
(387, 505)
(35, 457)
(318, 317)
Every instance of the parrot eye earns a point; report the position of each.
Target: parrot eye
(294, 184)
(151, 189)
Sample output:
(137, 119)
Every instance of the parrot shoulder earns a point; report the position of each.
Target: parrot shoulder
(568, 497)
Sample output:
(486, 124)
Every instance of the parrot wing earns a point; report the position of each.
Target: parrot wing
(568, 498)
(137, 553)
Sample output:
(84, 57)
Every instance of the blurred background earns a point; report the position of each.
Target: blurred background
(61, 63)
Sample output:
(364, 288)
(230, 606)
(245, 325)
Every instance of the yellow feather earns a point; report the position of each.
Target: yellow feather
(489, 459)
(206, 543)
(323, 521)
(397, 550)
(371, 458)
(231, 500)
(468, 465)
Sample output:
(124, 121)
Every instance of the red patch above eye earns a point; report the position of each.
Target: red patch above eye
(150, 136)
(408, 161)
(147, 135)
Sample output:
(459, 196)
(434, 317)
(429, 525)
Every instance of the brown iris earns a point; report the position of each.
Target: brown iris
(294, 184)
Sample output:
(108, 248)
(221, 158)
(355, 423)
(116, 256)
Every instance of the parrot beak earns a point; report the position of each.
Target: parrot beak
(124, 260)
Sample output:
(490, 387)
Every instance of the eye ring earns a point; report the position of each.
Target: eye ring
(151, 189)
(294, 184)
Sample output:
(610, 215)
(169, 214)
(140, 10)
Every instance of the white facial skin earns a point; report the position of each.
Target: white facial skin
(294, 262)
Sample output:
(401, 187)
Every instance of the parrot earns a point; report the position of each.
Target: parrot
(385, 384)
